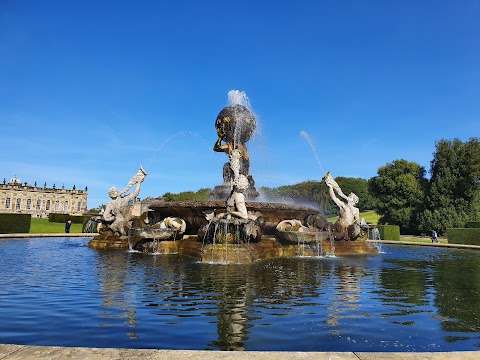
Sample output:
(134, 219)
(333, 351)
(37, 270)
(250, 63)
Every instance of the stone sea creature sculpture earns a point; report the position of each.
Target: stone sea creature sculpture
(317, 222)
(117, 212)
(291, 225)
(293, 231)
(174, 223)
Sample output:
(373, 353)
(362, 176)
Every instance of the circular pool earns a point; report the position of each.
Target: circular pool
(57, 291)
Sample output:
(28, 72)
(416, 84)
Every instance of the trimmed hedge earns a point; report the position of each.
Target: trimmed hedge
(473, 224)
(15, 223)
(389, 232)
(63, 218)
(466, 236)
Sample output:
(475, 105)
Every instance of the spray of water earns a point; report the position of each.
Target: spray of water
(237, 97)
(307, 138)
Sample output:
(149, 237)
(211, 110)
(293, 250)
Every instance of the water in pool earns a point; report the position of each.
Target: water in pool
(60, 292)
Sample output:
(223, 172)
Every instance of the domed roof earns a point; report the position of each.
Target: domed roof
(15, 180)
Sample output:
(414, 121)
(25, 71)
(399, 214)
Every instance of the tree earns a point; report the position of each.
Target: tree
(453, 197)
(358, 186)
(199, 195)
(399, 189)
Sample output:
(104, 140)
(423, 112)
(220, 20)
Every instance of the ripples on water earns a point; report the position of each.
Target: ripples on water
(60, 292)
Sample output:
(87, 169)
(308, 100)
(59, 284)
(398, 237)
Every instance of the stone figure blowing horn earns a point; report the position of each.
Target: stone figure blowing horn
(139, 177)
(331, 182)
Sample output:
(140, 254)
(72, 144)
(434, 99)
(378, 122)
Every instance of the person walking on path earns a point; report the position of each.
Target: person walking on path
(434, 236)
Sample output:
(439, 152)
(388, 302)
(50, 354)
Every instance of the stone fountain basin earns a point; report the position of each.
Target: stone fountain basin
(155, 233)
(193, 212)
(297, 237)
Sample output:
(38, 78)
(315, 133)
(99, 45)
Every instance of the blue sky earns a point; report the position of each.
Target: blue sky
(89, 90)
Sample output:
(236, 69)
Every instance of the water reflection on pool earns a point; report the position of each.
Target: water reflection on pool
(60, 292)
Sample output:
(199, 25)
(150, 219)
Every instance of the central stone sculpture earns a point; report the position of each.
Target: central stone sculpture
(235, 125)
(232, 227)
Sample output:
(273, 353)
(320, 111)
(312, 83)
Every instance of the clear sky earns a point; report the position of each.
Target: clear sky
(90, 90)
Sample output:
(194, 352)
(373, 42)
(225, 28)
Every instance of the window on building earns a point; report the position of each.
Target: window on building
(8, 203)
(57, 205)
(39, 204)
(29, 204)
(79, 206)
(19, 204)
(47, 207)
(65, 207)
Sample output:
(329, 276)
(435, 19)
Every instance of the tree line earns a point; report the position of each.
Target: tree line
(449, 198)
(400, 193)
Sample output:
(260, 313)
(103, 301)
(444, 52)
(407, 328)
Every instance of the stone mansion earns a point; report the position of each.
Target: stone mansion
(39, 201)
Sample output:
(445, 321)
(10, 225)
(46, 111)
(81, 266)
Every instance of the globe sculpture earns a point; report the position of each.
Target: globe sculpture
(235, 125)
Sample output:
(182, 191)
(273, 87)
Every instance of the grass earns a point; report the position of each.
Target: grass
(420, 239)
(43, 226)
(415, 239)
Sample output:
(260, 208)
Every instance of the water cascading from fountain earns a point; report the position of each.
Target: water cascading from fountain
(332, 244)
(376, 239)
(319, 245)
(91, 225)
(130, 245)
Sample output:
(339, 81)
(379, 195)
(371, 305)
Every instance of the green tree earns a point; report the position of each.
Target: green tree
(199, 195)
(358, 186)
(399, 189)
(453, 197)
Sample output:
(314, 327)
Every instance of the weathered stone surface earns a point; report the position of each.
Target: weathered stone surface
(109, 242)
(193, 212)
(20, 352)
(117, 214)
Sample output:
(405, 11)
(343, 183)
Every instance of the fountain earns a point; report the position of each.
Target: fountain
(232, 227)
(61, 293)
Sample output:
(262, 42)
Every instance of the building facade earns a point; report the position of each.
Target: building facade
(39, 201)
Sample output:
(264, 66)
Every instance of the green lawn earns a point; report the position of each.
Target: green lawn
(43, 226)
(426, 239)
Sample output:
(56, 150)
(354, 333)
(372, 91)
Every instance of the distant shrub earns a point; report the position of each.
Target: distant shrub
(473, 224)
(63, 218)
(466, 236)
(389, 232)
(15, 223)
